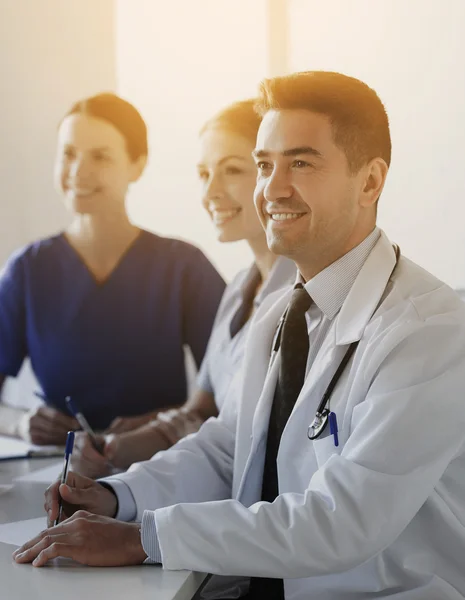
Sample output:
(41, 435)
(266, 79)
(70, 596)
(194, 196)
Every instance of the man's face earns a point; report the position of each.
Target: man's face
(306, 198)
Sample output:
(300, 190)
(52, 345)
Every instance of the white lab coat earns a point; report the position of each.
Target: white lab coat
(380, 516)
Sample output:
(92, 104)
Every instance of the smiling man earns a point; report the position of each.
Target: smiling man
(335, 469)
(322, 164)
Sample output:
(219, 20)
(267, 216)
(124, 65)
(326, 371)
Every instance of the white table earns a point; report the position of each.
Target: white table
(66, 579)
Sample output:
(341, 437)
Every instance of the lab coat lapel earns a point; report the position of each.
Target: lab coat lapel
(349, 325)
(258, 387)
(260, 379)
(367, 292)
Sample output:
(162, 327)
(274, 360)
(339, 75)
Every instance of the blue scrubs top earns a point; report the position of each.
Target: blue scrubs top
(116, 347)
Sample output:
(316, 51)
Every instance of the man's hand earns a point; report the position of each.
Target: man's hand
(88, 539)
(46, 425)
(79, 493)
(85, 460)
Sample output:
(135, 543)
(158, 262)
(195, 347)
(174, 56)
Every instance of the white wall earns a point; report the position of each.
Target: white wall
(180, 62)
(52, 52)
(413, 53)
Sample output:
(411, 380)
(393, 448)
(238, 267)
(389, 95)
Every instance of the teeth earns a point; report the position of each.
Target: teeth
(285, 216)
(221, 216)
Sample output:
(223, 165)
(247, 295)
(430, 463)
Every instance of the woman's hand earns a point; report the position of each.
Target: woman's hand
(45, 425)
(124, 449)
(177, 423)
(85, 459)
(123, 424)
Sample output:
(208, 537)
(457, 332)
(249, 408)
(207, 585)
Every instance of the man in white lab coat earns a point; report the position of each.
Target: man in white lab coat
(374, 505)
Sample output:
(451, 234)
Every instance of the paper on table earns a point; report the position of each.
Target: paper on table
(45, 475)
(19, 532)
(13, 448)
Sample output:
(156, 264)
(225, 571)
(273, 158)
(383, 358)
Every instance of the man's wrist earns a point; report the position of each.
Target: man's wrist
(138, 554)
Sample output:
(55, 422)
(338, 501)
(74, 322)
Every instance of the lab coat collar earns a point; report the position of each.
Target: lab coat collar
(366, 292)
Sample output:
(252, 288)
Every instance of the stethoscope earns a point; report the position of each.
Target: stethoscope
(323, 414)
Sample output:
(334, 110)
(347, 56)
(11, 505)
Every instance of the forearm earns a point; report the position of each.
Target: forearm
(150, 416)
(10, 420)
(136, 446)
(168, 478)
(201, 404)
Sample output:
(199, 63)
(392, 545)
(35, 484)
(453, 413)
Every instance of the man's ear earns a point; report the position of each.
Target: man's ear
(374, 177)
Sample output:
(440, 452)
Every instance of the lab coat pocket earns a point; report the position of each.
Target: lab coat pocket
(324, 447)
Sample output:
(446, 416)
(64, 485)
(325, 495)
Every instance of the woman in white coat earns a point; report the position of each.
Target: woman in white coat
(374, 508)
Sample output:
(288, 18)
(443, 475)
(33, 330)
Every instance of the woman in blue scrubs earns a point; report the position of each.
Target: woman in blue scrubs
(103, 309)
(228, 173)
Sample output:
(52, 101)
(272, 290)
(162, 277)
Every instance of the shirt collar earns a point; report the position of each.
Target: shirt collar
(282, 273)
(329, 288)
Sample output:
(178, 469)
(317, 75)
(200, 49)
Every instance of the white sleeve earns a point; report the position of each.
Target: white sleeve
(405, 433)
(198, 468)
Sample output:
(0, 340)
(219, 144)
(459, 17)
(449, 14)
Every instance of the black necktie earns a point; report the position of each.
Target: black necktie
(249, 289)
(294, 354)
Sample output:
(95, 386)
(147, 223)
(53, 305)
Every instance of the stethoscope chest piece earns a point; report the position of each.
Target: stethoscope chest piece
(318, 425)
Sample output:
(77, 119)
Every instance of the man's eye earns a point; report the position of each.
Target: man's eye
(301, 164)
(68, 153)
(263, 165)
(203, 175)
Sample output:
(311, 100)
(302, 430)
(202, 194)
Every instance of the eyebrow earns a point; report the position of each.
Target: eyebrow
(101, 149)
(224, 159)
(298, 151)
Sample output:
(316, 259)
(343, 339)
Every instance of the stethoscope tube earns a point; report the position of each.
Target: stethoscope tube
(320, 421)
(322, 415)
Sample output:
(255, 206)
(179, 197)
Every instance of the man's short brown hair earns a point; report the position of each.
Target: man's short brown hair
(358, 117)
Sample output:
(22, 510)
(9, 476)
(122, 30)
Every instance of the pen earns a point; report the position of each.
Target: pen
(64, 475)
(333, 427)
(80, 418)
